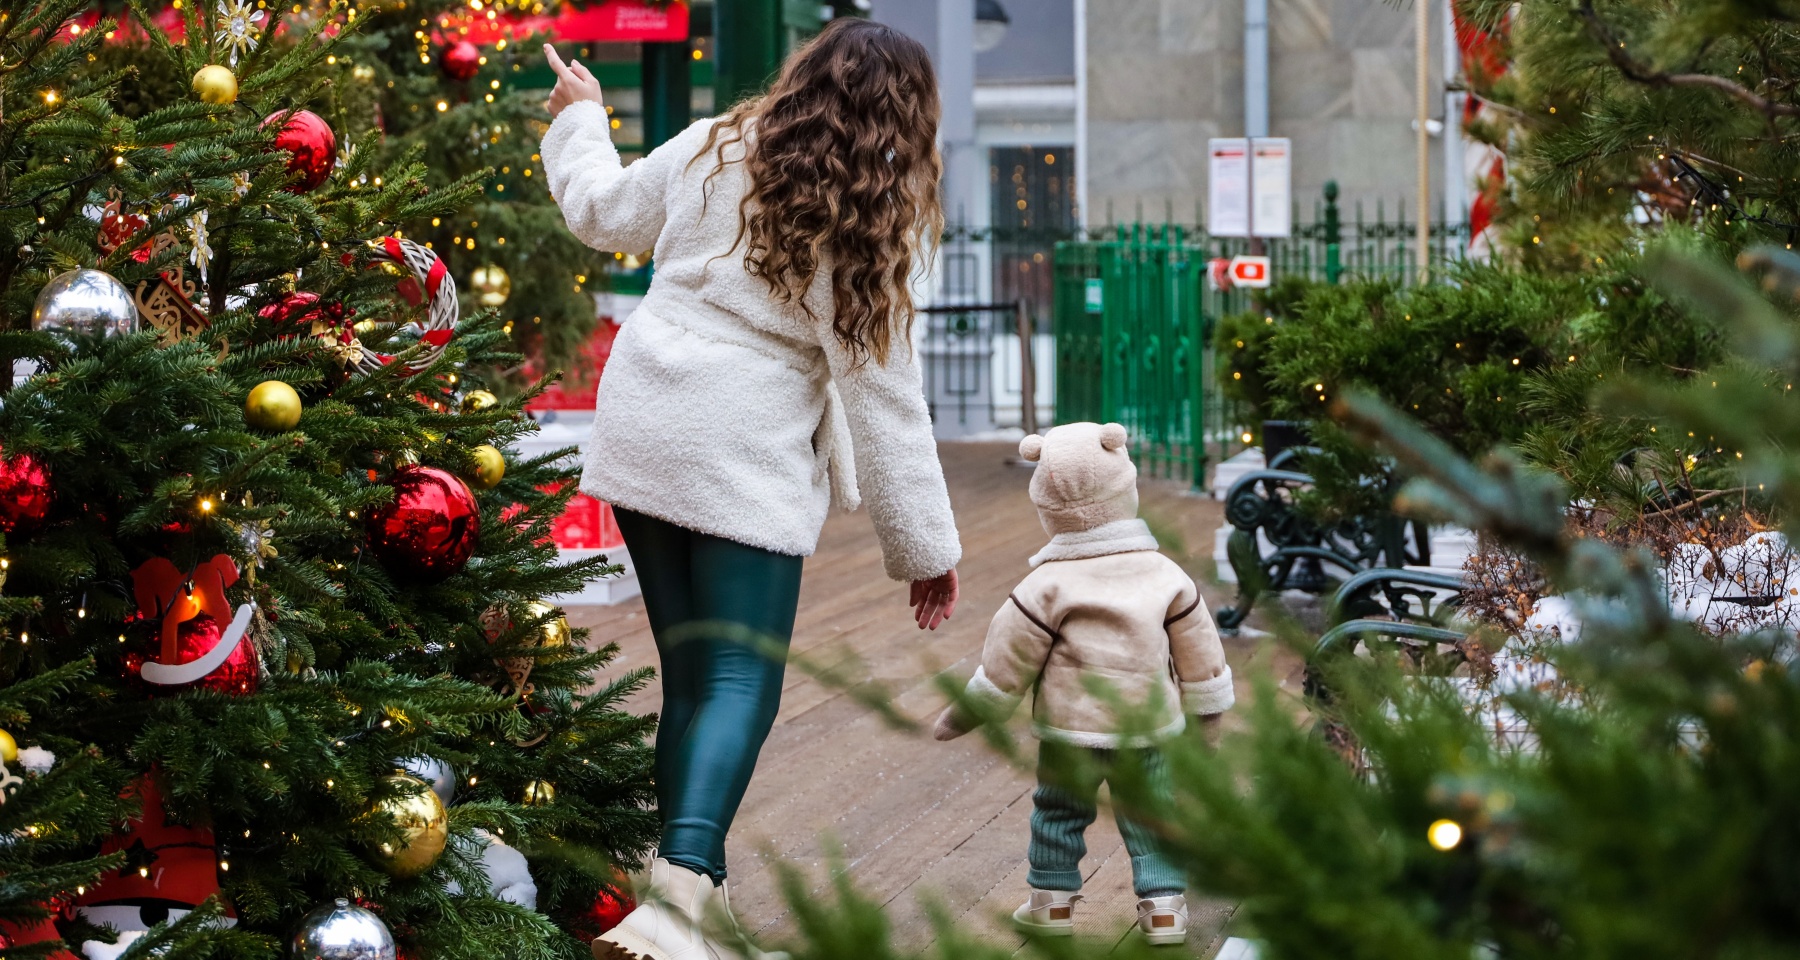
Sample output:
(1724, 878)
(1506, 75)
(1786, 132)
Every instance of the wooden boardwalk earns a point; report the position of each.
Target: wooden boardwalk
(914, 820)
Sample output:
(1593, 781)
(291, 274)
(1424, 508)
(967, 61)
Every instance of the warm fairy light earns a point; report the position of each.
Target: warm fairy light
(1444, 834)
(24, 637)
(206, 506)
(1247, 437)
(50, 98)
(386, 724)
(225, 866)
(472, 780)
(265, 764)
(696, 54)
(330, 783)
(442, 106)
(121, 638)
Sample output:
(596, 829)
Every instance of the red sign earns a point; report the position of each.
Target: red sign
(654, 21)
(1249, 271)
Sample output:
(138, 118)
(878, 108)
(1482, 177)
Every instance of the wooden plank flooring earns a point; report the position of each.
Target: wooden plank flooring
(915, 821)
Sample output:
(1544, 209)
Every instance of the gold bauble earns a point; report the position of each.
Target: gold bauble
(476, 401)
(424, 827)
(539, 793)
(491, 285)
(490, 467)
(272, 405)
(216, 85)
(9, 748)
(553, 632)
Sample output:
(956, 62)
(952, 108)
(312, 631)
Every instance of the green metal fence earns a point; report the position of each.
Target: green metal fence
(1130, 343)
(1132, 313)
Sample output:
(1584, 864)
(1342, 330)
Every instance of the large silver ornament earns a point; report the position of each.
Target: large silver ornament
(85, 302)
(339, 931)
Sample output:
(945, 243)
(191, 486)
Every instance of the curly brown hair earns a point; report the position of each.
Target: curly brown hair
(843, 164)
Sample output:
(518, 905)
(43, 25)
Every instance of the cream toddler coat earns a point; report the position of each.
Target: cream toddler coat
(1105, 631)
(721, 409)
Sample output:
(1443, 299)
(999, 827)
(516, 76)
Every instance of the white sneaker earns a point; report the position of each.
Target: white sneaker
(1049, 913)
(1163, 919)
(666, 923)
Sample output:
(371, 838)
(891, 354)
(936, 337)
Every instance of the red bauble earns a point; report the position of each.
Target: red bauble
(311, 147)
(429, 530)
(239, 675)
(609, 908)
(300, 307)
(24, 492)
(461, 60)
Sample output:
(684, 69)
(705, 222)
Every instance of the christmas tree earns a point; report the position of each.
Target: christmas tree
(1620, 114)
(266, 538)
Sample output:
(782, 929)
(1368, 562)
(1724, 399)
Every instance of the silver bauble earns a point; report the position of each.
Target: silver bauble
(85, 302)
(339, 931)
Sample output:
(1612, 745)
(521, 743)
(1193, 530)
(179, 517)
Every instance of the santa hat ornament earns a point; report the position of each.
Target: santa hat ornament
(169, 870)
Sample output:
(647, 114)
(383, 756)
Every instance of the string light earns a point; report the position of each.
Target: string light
(1444, 834)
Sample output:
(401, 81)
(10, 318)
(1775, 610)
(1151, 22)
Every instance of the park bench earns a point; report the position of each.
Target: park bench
(1273, 545)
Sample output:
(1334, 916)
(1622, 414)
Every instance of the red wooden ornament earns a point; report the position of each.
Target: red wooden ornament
(430, 529)
(311, 148)
(202, 642)
(461, 60)
(24, 492)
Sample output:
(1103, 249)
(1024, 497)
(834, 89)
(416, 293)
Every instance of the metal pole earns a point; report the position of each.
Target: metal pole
(1456, 183)
(1422, 80)
(668, 91)
(749, 47)
(1256, 68)
(1027, 368)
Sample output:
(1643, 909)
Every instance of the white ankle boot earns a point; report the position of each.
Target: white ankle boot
(667, 922)
(1163, 919)
(1049, 913)
(737, 931)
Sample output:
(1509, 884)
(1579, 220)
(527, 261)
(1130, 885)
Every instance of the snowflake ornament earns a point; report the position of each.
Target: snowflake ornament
(202, 254)
(238, 24)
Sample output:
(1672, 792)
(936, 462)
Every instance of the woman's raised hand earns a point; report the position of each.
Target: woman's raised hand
(573, 83)
(934, 600)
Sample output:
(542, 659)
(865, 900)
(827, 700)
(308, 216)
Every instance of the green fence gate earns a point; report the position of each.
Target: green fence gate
(1131, 344)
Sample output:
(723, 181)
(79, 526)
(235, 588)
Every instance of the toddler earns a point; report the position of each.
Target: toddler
(1101, 604)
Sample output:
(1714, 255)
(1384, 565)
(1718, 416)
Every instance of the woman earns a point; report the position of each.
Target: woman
(768, 368)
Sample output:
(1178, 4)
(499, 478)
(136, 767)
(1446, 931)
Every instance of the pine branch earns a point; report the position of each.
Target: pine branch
(1644, 74)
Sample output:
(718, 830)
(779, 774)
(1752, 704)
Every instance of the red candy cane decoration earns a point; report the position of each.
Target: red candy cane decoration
(430, 282)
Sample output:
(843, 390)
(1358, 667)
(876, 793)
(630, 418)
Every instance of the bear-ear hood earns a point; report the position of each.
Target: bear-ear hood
(1085, 486)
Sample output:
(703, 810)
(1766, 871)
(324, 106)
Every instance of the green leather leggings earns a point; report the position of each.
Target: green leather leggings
(722, 614)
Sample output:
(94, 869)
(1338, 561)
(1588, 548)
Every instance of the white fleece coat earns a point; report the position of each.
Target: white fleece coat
(721, 409)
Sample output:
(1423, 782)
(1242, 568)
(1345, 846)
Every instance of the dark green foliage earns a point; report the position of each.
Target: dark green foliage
(1241, 341)
(1495, 355)
(151, 457)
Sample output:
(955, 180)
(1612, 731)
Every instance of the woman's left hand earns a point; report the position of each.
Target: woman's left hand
(573, 83)
(934, 600)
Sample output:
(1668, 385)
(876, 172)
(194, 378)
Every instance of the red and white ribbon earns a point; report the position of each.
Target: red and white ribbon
(430, 283)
